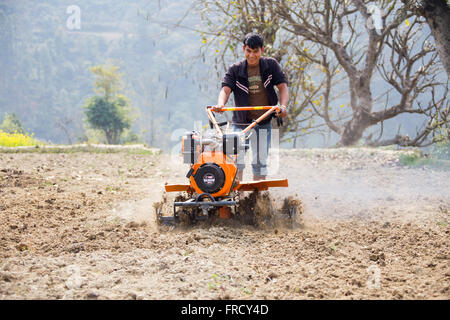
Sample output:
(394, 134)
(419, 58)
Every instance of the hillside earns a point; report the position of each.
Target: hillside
(44, 76)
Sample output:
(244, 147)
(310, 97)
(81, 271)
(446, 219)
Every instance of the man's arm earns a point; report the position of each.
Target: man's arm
(223, 98)
(284, 98)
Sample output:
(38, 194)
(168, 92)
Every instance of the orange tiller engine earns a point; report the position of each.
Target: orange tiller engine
(213, 186)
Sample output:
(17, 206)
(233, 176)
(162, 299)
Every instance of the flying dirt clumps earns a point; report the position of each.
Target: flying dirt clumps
(261, 210)
(164, 208)
(258, 209)
(292, 206)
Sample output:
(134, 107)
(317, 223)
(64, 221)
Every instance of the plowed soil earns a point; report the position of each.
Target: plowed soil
(82, 226)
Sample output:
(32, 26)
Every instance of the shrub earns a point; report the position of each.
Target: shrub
(441, 150)
(11, 124)
(16, 139)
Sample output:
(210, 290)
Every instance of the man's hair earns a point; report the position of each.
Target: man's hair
(254, 40)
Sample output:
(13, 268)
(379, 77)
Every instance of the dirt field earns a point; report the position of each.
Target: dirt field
(82, 226)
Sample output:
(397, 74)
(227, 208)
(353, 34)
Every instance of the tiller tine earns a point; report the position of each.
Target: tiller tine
(178, 188)
(261, 185)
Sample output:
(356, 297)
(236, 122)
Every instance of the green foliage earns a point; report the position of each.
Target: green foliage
(107, 81)
(109, 112)
(111, 117)
(92, 136)
(441, 150)
(11, 124)
(130, 137)
(420, 160)
(46, 65)
(412, 160)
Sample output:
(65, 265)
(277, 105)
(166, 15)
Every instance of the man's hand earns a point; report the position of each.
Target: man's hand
(284, 98)
(223, 98)
(218, 108)
(283, 111)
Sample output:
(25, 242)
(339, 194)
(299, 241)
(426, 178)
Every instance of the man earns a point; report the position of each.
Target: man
(252, 82)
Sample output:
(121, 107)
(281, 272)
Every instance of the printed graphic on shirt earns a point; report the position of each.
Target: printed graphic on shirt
(257, 93)
(255, 84)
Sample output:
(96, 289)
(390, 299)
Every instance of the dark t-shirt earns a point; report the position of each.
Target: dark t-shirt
(257, 92)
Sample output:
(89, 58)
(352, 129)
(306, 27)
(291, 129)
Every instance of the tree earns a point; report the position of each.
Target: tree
(11, 124)
(437, 15)
(107, 81)
(225, 23)
(320, 44)
(108, 112)
(391, 46)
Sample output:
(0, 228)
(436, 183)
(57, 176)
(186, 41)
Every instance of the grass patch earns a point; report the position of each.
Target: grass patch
(100, 149)
(418, 160)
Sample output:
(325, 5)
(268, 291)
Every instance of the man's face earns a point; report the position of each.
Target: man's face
(253, 55)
